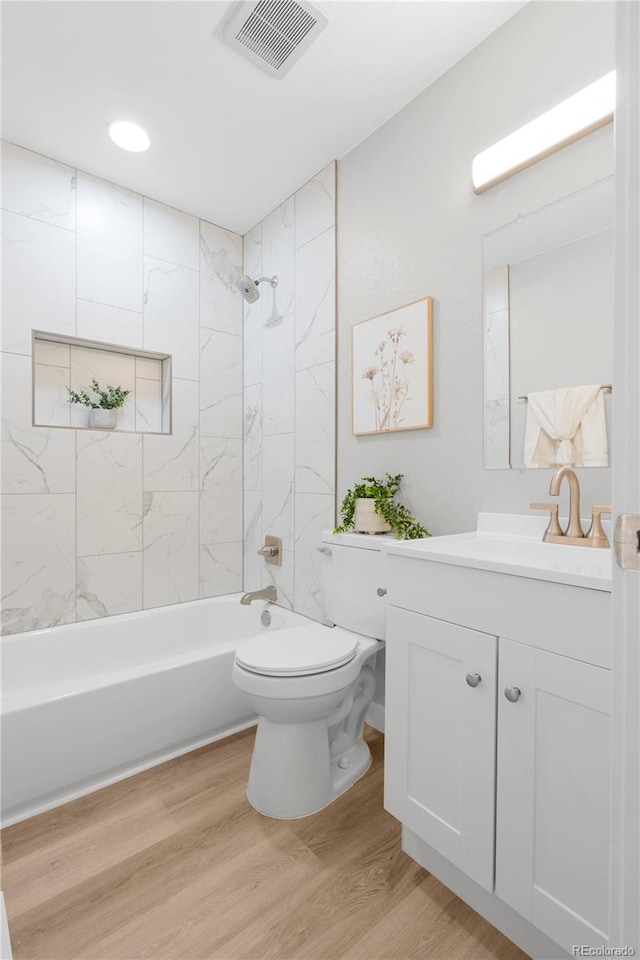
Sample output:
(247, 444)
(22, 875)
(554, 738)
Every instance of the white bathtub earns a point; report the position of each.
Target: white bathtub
(87, 704)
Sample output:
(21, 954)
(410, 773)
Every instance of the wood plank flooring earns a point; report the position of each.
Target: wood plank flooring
(173, 864)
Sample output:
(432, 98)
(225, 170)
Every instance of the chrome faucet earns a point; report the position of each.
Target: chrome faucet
(574, 535)
(268, 593)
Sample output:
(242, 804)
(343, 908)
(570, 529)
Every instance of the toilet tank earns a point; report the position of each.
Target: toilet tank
(353, 570)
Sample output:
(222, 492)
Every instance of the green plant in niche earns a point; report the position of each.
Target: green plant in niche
(110, 399)
(403, 523)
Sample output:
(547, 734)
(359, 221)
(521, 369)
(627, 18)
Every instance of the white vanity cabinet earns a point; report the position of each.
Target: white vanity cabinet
(553, 793)
(440, 737)
(507, 776)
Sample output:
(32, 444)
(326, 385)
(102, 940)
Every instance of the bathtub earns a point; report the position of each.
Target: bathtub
(86, 704)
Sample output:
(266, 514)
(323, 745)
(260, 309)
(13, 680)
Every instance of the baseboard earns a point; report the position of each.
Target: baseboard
(375, 716)
(535, 943)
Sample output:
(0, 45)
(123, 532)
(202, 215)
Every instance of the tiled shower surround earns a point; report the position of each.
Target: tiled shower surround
(289, 393)
(98, 523)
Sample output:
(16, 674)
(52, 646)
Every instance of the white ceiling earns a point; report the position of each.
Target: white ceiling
(228, 142)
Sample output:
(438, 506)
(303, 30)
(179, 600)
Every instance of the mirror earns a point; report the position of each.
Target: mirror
(548, 312)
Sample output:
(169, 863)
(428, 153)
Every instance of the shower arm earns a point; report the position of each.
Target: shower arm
(272, 280)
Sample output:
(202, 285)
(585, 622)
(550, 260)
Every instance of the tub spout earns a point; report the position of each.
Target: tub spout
(269, 593)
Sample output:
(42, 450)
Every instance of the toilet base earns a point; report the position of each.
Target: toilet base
(280, 806)
(309, 749)
(359, 760)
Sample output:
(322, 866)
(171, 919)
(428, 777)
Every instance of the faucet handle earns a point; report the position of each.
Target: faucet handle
(269, 550)
(272, 550)
(553, 529)
(595, 534)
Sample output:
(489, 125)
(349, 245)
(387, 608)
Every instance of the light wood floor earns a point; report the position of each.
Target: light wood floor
(173, 864)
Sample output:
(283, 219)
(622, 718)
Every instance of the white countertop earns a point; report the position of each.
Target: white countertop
(512, 544)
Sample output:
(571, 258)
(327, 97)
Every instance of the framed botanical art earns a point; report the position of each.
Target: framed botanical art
(392, 370)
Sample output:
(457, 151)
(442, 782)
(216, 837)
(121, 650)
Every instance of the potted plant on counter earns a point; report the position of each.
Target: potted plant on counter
(370, 507)
(103, 405)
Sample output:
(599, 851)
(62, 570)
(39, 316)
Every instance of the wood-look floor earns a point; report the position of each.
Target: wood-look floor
(173, 864)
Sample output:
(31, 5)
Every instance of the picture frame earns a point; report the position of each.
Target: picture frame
(392, 370)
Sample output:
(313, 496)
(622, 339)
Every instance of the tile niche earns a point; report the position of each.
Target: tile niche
(63, 363)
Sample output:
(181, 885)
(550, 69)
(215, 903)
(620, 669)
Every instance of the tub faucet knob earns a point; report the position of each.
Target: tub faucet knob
(270, 551)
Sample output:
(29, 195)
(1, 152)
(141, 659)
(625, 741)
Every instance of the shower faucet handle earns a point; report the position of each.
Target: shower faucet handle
(272, 550)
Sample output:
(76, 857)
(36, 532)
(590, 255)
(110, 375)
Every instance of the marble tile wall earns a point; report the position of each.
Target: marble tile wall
(289, 393)
(97, 523)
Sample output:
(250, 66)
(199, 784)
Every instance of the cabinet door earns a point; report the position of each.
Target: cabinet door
(440, 737)
(553, 799)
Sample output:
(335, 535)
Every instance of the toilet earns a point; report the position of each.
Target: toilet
(311, 686)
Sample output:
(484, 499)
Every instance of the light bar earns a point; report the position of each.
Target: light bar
(584, 112)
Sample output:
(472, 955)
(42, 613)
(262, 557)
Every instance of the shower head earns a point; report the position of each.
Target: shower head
(249, 288)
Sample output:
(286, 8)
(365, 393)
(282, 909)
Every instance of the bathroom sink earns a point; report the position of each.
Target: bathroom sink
(515, 549)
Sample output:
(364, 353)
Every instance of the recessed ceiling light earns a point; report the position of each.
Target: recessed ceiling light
(129, 136)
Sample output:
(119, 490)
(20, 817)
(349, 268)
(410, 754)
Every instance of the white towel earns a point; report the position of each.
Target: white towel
(566, 426)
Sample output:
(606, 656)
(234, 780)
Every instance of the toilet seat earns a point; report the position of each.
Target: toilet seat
(297, 651)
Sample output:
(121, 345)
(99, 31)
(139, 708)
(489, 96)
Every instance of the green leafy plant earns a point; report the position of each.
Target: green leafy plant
(110, 399)
(404, 524)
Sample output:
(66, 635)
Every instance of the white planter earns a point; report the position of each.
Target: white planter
(366, 520)
(103, 419)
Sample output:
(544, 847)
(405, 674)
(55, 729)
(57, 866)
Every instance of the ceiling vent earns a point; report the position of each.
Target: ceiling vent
(273, 34)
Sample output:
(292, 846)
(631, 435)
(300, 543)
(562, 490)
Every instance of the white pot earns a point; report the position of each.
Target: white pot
(103, 419)
(366, 520)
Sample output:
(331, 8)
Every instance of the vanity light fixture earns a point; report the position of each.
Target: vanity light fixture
(129, 136)
(575, 117)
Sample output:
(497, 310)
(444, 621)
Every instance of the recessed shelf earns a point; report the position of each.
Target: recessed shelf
(60, 363)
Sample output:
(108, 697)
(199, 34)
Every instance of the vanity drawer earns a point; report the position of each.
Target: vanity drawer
(570, 621)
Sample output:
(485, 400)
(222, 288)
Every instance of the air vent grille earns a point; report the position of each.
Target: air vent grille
(273, 33)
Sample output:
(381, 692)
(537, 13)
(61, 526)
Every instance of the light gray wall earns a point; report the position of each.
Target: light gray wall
(563, 298)
(409, 225)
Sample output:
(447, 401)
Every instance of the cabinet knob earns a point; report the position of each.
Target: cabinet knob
(473, 679)
(381, 591)
(512, 694)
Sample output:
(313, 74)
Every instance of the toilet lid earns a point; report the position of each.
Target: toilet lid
(297, 651)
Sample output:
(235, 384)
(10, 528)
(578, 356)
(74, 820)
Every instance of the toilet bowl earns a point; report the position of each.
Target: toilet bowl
(311, 687)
